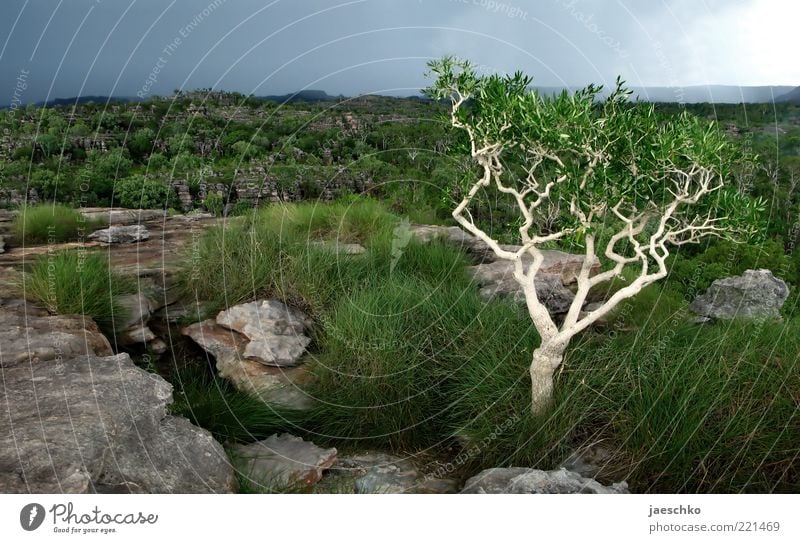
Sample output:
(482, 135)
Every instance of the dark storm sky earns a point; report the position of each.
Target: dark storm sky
(61, 48)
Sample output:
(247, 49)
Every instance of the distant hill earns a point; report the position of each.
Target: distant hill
(792, 96)
(301, 96)
(717, 94)
(85, 100)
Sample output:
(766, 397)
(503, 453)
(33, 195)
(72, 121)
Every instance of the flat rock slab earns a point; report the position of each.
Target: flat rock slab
(121, 234)
(382, 473)
(756, 294)
(100, 424)
(534, 481)
(565, 265)
(282, 461)
(29, 334)
(121, 216)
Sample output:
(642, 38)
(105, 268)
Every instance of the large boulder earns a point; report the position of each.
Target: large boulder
(756, 294)
(282, 461)
(534, 481)
(258, 347)
(79, 419)
(121, 234)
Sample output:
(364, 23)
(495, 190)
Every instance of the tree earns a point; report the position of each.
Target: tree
(624, 178)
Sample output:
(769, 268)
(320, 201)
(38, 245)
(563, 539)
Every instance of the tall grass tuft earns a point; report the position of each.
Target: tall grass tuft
(71, 282)
(50, 223)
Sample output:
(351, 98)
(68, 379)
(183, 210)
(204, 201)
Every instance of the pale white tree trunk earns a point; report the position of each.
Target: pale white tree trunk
(546, 360)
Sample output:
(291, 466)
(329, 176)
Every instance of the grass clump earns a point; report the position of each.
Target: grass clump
(74, 282)
(50, 224)
(683, 408)
(407, 356)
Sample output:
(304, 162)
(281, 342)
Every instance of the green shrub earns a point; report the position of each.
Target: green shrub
(50, 223)
(139, 192)
(75, 282)
(214, 203)
(694, 274)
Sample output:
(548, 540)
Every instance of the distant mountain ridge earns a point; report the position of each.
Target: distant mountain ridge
(717, 94)
(793, 96)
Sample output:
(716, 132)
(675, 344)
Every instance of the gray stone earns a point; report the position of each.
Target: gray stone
(122, 216)
(549, 288)
(381, 473)
(565, 265)
(282, 461)
(341, 248)
(534, 481)
(2, 245)
(28, 334)
(280, 386)
(756, 294)
(121, 234)
(588, 461)
(274, 329)
(100, 424)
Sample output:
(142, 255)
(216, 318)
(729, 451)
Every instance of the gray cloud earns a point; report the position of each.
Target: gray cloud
(125, 47)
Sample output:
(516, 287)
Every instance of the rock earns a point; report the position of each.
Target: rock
(274, 329)
(565, 265)
(281, 386)
(282, 461)
(381, 473)
(134, 329)
(534, 481)
(135, 335)
(2, 245)
(756, 294)
(122, 216)
(28, 334)
(589, 461)
(452, 234)
(549, 288)
(100, 424)
(341, 248)
(121, 234)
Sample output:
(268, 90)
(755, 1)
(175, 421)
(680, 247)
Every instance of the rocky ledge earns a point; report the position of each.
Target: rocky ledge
(80, 419)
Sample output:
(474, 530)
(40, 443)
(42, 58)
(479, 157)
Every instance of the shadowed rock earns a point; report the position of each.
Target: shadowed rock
(534, 481)
(282, 461)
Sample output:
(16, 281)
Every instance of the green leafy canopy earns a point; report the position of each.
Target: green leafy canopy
(608, 152)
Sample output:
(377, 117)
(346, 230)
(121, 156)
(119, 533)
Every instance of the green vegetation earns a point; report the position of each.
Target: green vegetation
(50, 223)
(408, 356)
(231, 416)
(140, 192)
(75, 282)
